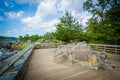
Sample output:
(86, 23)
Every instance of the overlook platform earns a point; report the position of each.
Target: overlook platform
(42, 67)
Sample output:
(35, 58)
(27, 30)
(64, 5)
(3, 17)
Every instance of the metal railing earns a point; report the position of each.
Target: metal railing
(106, 48)
(5, 64)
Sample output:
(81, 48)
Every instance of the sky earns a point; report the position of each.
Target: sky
(20, 17)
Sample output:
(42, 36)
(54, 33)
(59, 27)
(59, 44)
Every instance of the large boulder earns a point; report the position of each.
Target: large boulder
(81, 54)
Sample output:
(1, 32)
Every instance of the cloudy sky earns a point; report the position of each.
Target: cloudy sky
(20, 17)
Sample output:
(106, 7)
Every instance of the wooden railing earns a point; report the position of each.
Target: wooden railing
(96, 47)
(106, 48)
(5, 64)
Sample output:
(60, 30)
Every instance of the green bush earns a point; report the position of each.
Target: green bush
(23, 46)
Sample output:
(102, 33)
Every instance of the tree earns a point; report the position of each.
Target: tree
(20, 38)
(98, 8)
(113, 19)
(68, 29)
(26, 37)
(106, 14)
(34, 38)
(49, 36)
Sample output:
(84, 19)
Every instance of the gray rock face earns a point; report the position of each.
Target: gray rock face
(81, 54)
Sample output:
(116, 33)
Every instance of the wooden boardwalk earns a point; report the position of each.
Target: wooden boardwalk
(42, 67)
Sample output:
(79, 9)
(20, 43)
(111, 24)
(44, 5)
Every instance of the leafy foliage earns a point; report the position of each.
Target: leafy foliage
(68, 30)
(113, 19)
(104, 26)
(23, 46)
(33, 38)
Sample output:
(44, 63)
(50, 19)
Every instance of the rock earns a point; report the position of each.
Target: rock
(107, 67)
(93, 62)
(81, 54)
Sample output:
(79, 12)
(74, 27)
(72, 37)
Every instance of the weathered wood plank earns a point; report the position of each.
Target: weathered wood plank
(5, 64)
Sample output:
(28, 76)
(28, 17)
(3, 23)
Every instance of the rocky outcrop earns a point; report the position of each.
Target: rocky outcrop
(81, 54)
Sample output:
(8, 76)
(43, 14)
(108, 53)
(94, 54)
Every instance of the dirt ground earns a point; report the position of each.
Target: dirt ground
(42, 67)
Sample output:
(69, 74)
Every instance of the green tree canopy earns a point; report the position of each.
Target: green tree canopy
(33, 38)
(113, 19)
(104, 26)
(68, 29)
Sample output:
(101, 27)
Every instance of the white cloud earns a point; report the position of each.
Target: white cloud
(64, 4)
(15, 31)
(49, 11)
(8, 33)
(19, 14)
(46, 9)
(85, 16)
(14, 15)
(9, 4)
(81, 17)
(26, 20)
(12, 32)
(50, 26)
(70, 5)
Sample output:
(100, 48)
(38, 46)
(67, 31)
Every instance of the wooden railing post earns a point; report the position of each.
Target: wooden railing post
(115, 50)
(104, 48)
(96, 47)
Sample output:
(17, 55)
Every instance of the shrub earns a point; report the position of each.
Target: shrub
(23, 46)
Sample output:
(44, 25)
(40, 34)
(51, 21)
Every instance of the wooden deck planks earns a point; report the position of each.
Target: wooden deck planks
(42, 67)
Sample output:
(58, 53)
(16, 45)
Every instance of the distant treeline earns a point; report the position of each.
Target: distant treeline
(4, 38)
(33, 38)
(49, 37)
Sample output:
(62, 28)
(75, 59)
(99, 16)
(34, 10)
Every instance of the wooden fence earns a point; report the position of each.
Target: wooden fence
(5, 64)
(106, 48)
(96, 47)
